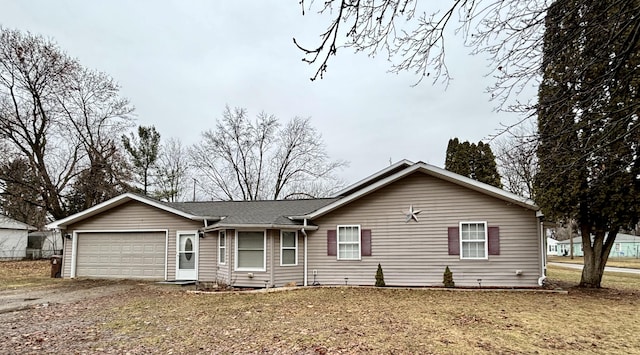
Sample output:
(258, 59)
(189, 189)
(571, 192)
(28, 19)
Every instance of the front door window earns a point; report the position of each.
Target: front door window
(187, 252)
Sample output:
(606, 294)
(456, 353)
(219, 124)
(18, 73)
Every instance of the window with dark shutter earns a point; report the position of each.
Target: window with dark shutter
(332, 245)
(365, 239)
(494, 240)
(454, 240)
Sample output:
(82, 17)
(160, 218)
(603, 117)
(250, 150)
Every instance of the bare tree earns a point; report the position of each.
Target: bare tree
(516, 155)
(245, 160)
(172, 171)
(55, 114)
(302, 160)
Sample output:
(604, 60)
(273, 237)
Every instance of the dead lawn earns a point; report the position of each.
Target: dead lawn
(155, 319)
(355, 320)
(32, 273)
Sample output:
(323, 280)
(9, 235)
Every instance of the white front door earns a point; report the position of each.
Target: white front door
(186, 257)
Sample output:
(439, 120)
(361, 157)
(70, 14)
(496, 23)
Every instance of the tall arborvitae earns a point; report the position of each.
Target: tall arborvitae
(589, 129)
(473, 161)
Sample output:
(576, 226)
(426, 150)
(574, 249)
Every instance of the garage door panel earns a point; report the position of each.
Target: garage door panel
(138, 255)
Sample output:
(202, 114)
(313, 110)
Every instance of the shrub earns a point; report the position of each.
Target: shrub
(448, 278)
(379, 277)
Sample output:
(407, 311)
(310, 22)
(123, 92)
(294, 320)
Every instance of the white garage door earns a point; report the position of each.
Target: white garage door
(139, 255)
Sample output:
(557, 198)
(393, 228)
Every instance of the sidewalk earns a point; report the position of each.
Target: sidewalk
(606, 268)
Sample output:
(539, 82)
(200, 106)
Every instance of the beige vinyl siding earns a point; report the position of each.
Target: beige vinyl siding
(416, 254)
(223, 272)
(286, 274)
(207, 257)
(134, 215)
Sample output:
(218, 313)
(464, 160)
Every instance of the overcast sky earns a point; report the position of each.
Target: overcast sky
(181, 62)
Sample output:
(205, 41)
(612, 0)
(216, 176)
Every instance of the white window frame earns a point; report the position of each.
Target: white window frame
(222, 249)
(359, 243)
(264, 252)
(486, 241)
(294, 248)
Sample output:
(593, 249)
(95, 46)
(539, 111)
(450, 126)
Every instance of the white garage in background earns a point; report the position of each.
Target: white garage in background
(121, 254)
(13, 238)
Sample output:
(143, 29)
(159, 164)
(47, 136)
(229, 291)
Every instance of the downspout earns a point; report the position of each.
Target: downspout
(304, 233)
(543, 256)
(272, 275)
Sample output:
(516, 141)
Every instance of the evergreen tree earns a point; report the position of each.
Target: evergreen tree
(447, 278)
(144, 153)
(379, 277)
(589, 134)
(475, 161)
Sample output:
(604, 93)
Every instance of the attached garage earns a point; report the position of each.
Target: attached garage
(126, 255)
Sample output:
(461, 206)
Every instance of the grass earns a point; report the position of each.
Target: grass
(632, 263)
(355, 320)
(155, 319)
(18, 274)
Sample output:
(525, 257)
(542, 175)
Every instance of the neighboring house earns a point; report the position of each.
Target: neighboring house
(552, 246)
(13, 238)
(625, 245)
(43, 244)
(412, 218)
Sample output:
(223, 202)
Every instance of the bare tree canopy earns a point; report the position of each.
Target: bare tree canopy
(412, 34)
(59, 117)
(256, 160)
(172, 171)
(517, 160)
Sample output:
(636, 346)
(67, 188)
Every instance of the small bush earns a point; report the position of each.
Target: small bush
(448, 278)
(379, 277)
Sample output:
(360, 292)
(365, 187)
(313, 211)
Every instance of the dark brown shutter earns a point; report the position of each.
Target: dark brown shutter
(454, 240)
(332, 245)
(494, 240)
(365, 240)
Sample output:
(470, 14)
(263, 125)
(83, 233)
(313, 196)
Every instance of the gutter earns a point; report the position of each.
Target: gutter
(257, 226)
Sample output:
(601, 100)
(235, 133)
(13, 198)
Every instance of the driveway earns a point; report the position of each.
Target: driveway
(606, 268)
(23, 298)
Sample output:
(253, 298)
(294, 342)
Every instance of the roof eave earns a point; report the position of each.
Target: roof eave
(221, 226)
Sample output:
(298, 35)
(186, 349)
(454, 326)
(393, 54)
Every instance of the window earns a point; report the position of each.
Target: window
(250, 247)
(473, 240)
(222, 247)
(288, 248)
(349, 242)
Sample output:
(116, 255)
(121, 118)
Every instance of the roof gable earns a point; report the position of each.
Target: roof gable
(371, 179)
(114, 202)
(378, 182)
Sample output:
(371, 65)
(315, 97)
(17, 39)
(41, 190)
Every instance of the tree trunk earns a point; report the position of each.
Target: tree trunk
(596, 255)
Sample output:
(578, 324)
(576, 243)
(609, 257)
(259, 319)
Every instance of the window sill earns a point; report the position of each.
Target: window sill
(250, 270)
